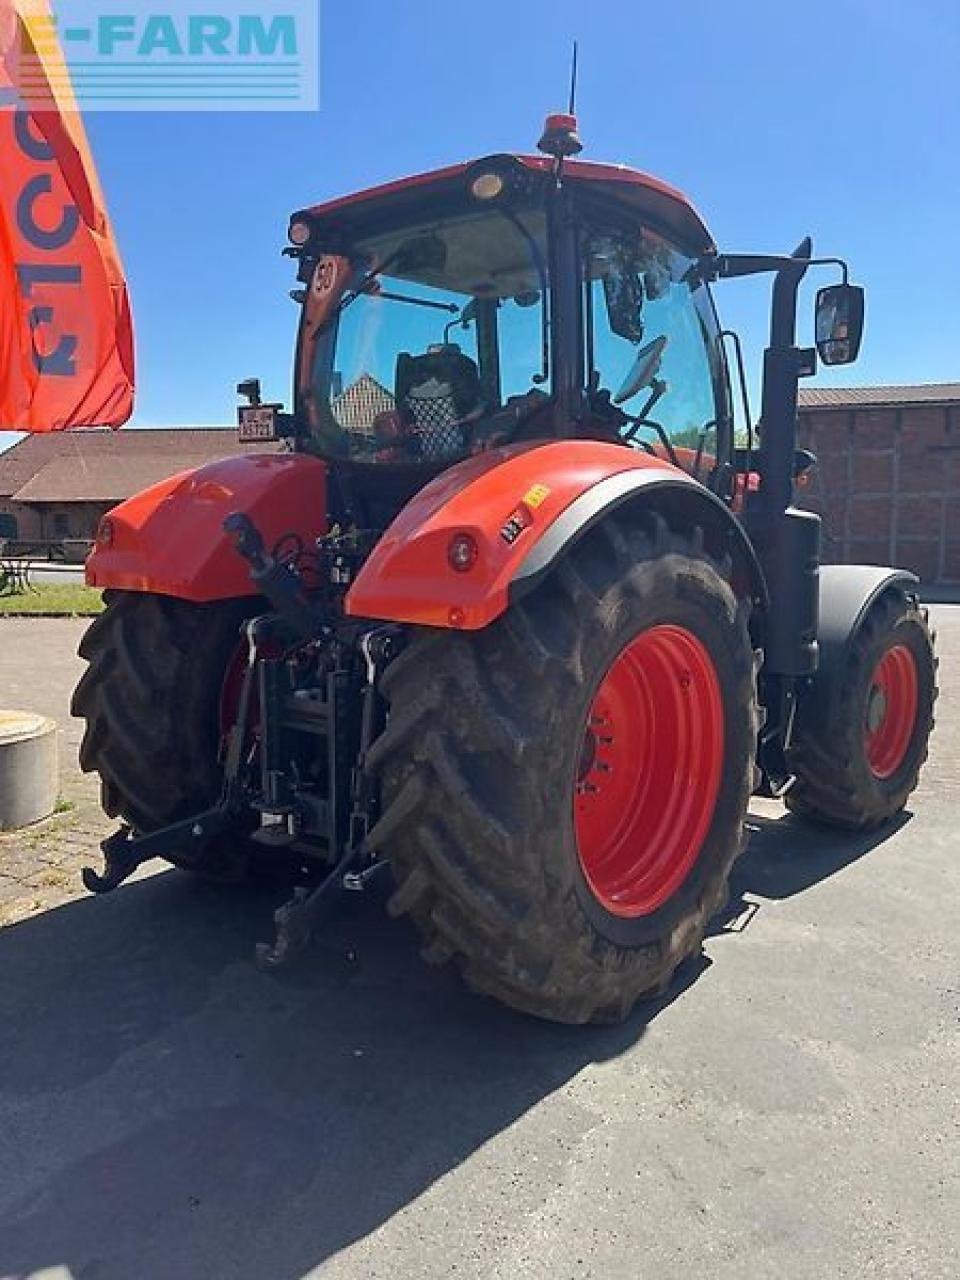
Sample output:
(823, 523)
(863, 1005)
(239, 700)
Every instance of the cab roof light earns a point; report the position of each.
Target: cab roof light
(487, 186)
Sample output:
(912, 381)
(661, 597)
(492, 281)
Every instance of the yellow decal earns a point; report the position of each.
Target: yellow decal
(536, 496)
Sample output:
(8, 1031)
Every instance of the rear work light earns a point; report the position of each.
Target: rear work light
(299, 233)
(462, 552)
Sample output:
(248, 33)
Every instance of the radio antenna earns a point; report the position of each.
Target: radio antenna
(571, 109)
(560, 138)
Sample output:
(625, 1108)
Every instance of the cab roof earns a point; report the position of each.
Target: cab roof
(651, 197)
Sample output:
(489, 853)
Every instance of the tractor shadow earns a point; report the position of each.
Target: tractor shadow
(171, 1111)
(167, 1110)
(786, 856)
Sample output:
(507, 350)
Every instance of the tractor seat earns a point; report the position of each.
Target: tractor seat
(437, 391)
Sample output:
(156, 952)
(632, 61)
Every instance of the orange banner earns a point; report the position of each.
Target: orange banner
(66, 339)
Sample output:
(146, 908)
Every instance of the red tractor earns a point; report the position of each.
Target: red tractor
(508, 610)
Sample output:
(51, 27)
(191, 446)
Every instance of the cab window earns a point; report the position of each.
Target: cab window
(425, 343)
(652, 354)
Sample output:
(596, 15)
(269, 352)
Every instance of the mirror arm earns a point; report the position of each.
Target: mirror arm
(783, 364)
(658, 389)
(730, 266)
(786, 283)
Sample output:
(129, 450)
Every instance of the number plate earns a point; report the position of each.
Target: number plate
(259, 423)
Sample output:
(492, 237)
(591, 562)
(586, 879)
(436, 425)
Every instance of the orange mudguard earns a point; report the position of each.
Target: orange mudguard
(513, 509)
(169, 538)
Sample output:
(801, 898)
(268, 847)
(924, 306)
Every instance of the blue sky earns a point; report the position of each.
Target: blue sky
(836, 117)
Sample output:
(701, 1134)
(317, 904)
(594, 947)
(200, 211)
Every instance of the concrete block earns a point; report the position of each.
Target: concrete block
(28, 768)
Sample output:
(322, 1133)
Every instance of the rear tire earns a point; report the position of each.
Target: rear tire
(480, 763)
(857, 771)
(151, 701)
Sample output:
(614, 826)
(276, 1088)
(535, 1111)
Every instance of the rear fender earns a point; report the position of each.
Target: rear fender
(169, 538)
(675, 496)
(524, 506)
(847, 594)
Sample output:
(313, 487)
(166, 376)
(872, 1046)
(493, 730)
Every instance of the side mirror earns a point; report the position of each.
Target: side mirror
(645, 368)
(839, 323)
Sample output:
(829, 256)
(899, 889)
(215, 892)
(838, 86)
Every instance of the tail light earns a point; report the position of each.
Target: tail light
(462, 552)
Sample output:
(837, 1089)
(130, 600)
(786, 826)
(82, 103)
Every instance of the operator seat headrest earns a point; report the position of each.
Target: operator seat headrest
(437, 390)
(447, 365)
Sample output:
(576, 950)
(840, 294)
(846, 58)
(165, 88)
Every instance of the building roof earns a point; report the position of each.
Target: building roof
(879, 397)
(107, 466)
(357, 405)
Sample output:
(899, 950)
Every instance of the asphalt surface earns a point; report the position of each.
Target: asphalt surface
(790, 1110)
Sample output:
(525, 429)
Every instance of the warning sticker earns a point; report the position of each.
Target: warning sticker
(520, 519)
(536, 496)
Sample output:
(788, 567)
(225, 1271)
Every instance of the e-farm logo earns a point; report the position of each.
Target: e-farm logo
(186, 55)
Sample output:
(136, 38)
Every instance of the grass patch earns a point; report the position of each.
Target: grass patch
(55, 878)
(71, 599)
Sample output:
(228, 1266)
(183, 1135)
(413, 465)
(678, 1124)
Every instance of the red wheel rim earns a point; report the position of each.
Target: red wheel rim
(232, 688)
(650, 769)
(891, 712)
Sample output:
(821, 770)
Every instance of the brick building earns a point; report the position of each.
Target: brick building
(888, 479)
(58, 485)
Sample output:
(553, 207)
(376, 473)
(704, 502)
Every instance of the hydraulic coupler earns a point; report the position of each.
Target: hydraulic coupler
(275, 579)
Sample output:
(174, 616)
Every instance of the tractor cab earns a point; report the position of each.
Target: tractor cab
(482, 305)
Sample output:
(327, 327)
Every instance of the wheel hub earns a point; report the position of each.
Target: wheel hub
(588, 757)
(876, 708)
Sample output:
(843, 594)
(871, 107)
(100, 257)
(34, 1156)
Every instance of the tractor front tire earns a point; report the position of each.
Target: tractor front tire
(857, 770)
(564, 792)
(151, 701)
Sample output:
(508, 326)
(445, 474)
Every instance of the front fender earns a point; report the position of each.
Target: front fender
(169, 538)
(552, 491)
(847, 594)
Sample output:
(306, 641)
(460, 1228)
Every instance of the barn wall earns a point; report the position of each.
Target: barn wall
(28, 521)
(70, 519)
(887, 484)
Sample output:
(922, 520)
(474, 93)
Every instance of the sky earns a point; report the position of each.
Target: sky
(838, 118)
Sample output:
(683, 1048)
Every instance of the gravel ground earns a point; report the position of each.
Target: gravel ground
(168, 1111)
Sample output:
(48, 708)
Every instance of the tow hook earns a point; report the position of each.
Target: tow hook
(124, 852)
(357, 881)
